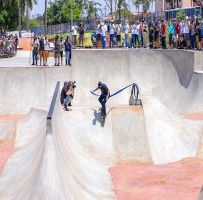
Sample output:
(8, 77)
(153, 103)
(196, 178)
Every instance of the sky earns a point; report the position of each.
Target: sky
(39, 8)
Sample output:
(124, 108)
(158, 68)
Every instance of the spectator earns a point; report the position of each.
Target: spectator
(98, 34)
(46, 50)
(67, 45)
(74, 30)
(192, 34)
(35, 47)
(171, 33)
(104, 32)
(185, 31)
(41, 51)
(118, 36)
(112, 33)
(156, 36)
(61, 50)
(163, 34)
(151, 34)
(178, 31)
(126, 32)
(57, 51)
(81, 34)
(201, 33)
(197, 35)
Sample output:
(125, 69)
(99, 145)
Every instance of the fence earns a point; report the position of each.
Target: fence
(89, 25)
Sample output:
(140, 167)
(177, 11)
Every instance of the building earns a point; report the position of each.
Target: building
(160, 4)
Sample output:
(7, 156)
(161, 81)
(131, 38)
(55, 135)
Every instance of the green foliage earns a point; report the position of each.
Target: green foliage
(180, 14)
(9, 12)
(33, 23)
(126, 14)
(144, 3)
(60, 11)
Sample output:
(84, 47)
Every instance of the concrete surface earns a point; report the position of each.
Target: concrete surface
(73, 162)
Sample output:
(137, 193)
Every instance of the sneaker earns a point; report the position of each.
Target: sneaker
(65, 108)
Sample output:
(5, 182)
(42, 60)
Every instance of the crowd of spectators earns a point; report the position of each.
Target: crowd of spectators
(187, 34)
(8, 45)
(41, 49)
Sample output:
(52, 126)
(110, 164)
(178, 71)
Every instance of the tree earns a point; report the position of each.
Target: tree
(136, 3)
(145, 5)
(22, 4)
(180, 14)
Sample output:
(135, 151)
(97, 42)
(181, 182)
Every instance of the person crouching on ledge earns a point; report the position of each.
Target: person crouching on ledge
(67, 94)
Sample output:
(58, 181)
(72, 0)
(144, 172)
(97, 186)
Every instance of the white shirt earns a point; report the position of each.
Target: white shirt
(74, 30)
(112, 29)
(126, 28)
(118, 29)
(184, 27)
(46, 45)
(137, 29)
(133, 29)
(104, 29)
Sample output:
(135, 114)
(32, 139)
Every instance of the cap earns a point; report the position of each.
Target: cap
(99, 84)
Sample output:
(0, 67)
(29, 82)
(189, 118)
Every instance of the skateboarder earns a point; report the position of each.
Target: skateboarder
(105, 93)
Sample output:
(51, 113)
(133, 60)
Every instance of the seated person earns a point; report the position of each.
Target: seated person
(67, 94)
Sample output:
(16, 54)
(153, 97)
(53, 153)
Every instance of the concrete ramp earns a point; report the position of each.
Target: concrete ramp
(87, 147)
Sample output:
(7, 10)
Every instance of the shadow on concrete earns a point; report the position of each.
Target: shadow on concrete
(97, 117)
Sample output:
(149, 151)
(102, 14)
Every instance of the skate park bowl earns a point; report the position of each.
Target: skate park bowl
(154, 152)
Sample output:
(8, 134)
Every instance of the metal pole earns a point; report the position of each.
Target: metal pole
(45, 21)
(19, 17)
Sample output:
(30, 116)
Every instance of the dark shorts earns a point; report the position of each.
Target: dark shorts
(118, 37)
(61, 53)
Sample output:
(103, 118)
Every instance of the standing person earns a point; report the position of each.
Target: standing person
(171, 30)
(74, 30)
(41, 51)
(137, 33)
(46, 50)
(142, 27)
(201, 33)
(57, 51)
(61, 50)
(104, 32)
(185, 31)
(81, 34)
(163, 34)
(67, 45)
(132, 45)
(178, 32)
(35, 47)
(112, 33)
(151, 34)
(197, 35)
(118, 36)
(99, 34)
(156, 35)
(192, 34)
(126, 32)
(105, 94)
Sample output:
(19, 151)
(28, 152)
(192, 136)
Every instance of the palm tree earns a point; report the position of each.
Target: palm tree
(21, 9)
(146, 5)
(136, 3)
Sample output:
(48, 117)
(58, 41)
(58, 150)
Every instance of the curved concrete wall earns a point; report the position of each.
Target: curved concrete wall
(167, 75)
